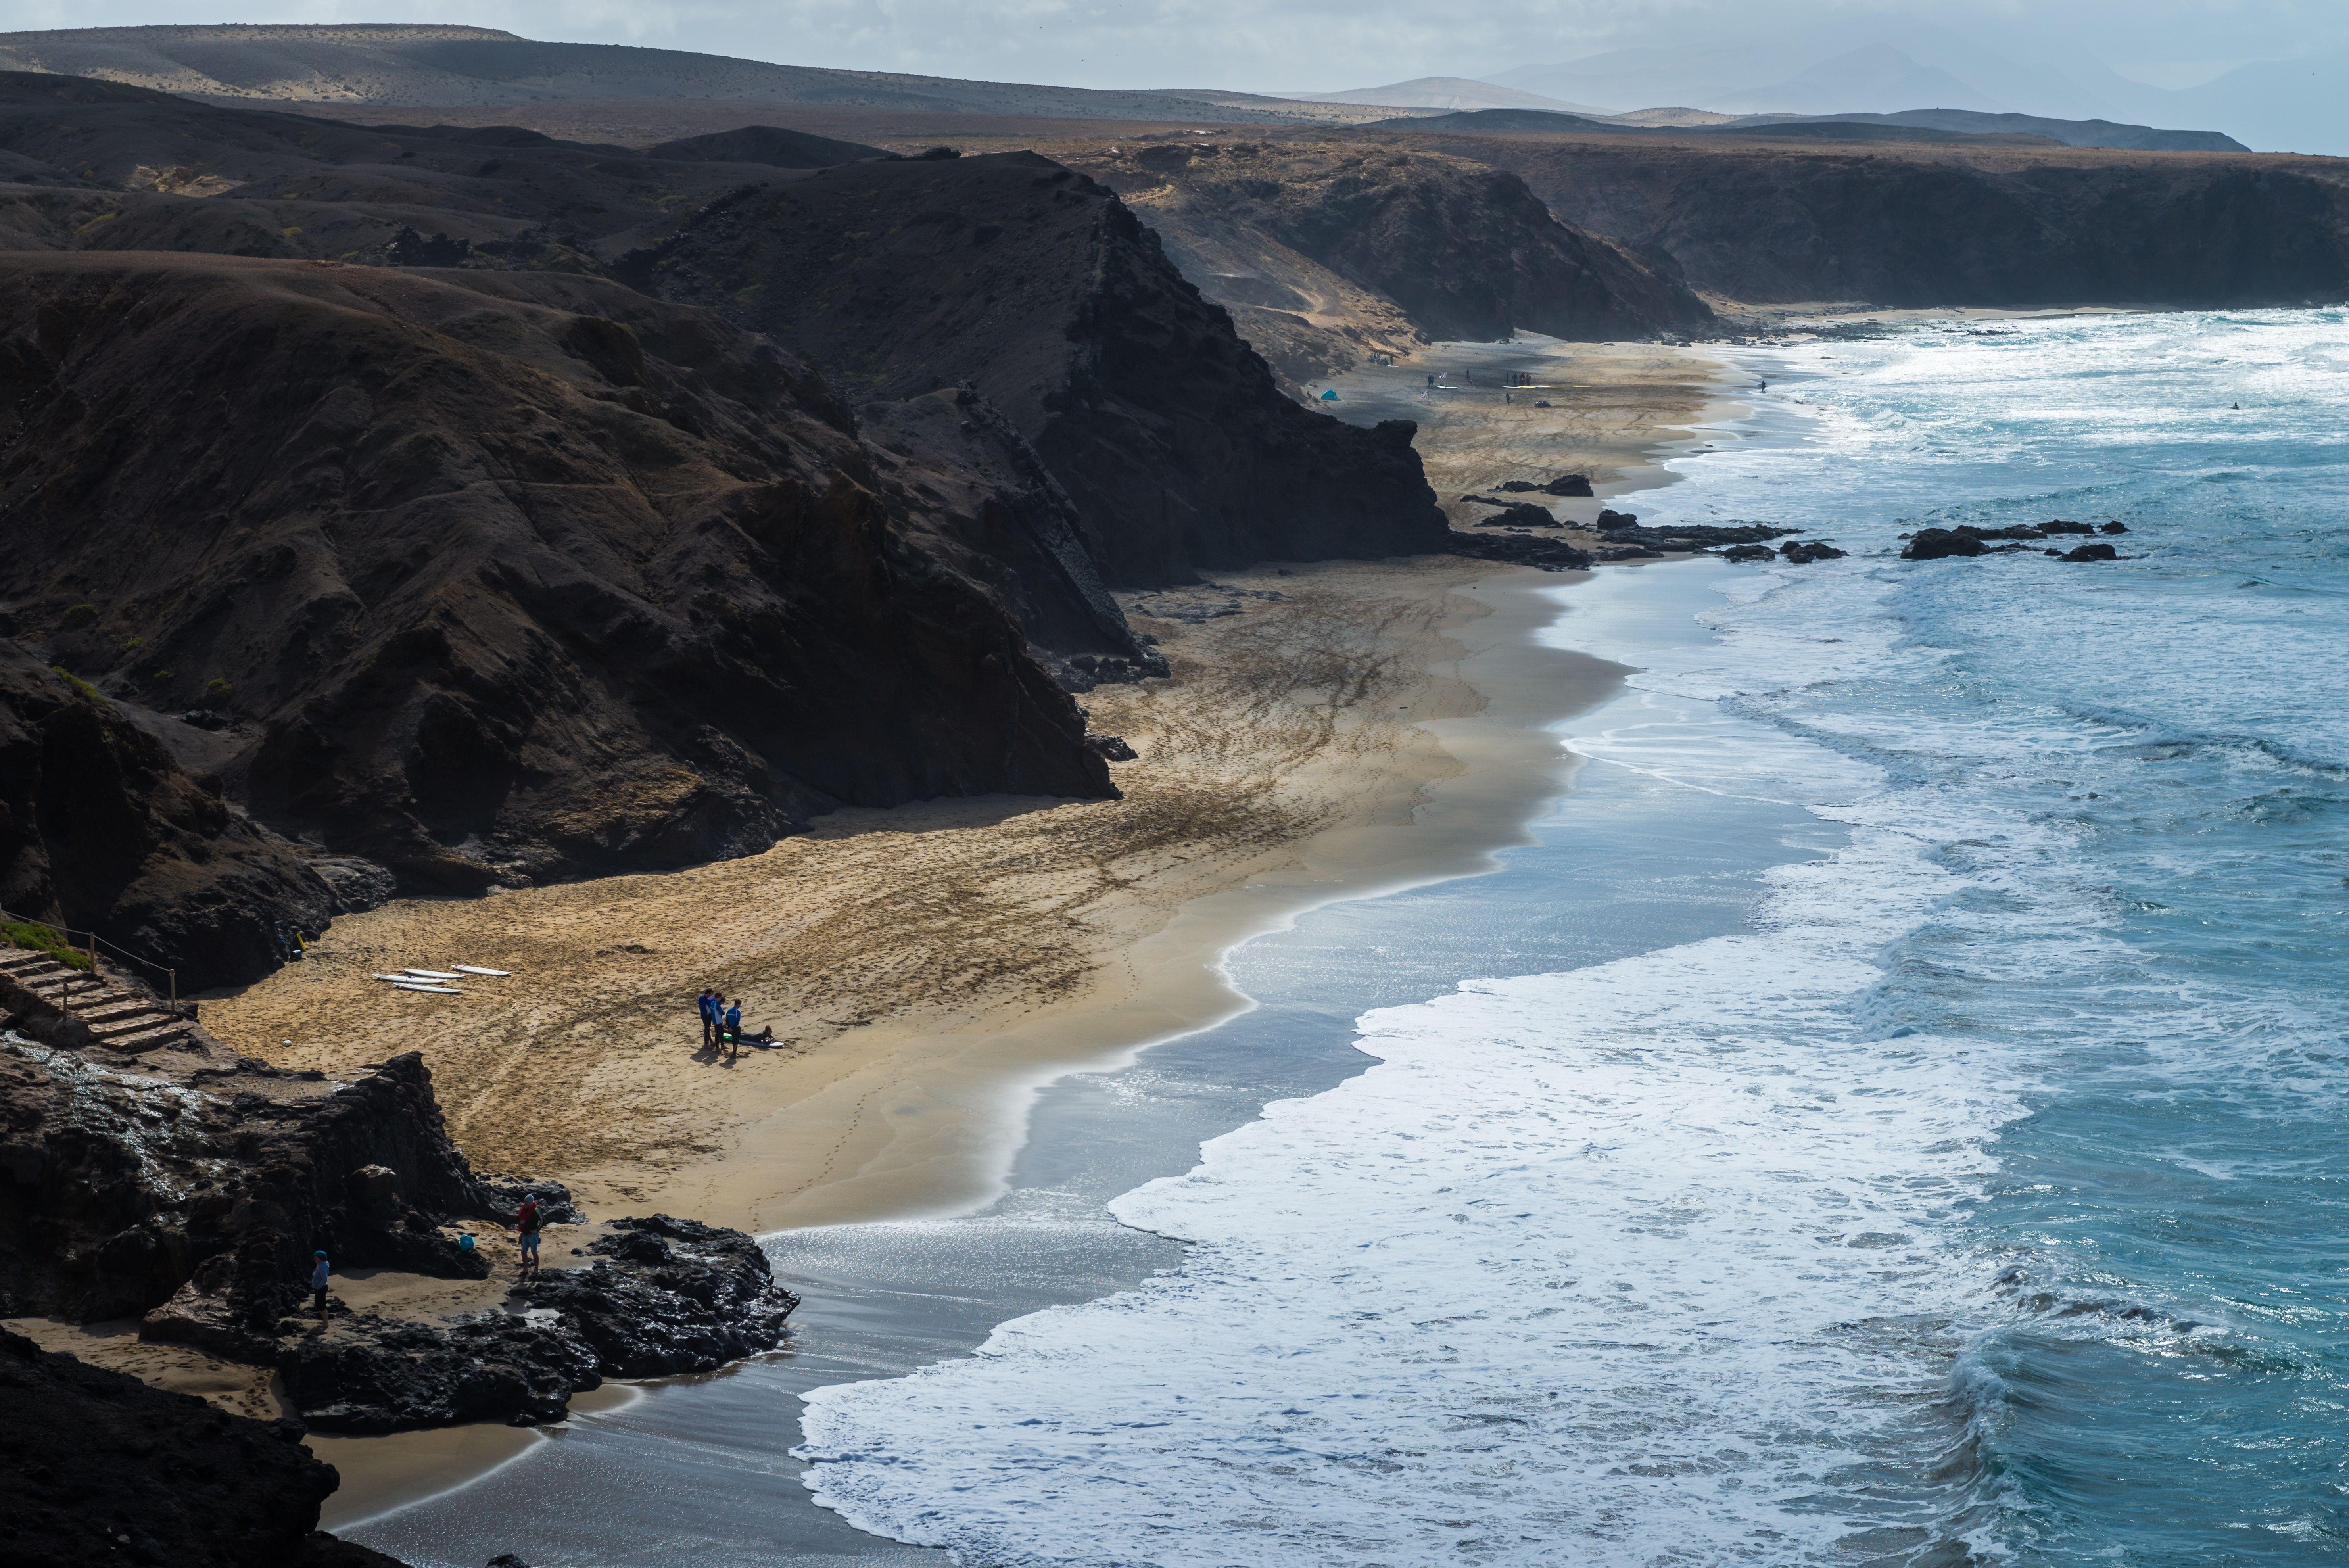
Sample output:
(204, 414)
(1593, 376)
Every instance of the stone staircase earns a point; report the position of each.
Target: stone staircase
(119, 1019)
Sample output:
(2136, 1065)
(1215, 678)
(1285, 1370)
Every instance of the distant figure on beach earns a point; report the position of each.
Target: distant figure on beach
(1431, 381)
(733, 1032)
(707, 1003)
(527, 1226)
(318, 1271)
(1507, 398)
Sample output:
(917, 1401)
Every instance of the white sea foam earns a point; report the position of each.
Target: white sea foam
(1634, 1264)
(1655, 1262)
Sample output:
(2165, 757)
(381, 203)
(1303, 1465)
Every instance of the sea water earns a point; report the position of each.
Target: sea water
(1976, 1196)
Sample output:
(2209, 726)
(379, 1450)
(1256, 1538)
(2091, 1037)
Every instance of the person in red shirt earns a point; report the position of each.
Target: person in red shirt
(527, 1223)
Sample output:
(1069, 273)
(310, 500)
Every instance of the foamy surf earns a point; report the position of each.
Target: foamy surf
(1976, 1204)
(1635, 1262)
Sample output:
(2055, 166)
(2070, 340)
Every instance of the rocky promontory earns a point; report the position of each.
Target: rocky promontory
(188, 1189)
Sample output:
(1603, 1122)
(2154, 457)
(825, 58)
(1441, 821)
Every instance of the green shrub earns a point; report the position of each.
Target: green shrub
(217, 687)
(81, 614)
(48, 939)
(79, 684)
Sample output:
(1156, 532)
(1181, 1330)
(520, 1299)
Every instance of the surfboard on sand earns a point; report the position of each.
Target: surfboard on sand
(432, 973)
(432, 990)
(477, 969)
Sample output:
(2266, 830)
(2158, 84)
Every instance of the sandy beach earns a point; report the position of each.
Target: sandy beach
(1330, 730)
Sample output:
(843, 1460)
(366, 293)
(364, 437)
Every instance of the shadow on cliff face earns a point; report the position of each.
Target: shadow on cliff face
(507, 574)
(1038, 288)
(102, 829)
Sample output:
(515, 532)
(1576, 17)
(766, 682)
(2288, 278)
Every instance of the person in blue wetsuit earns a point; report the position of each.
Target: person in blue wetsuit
(319, 1269)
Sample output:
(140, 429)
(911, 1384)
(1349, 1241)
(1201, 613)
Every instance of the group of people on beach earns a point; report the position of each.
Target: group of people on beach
(529, 1220)
(721, 1025)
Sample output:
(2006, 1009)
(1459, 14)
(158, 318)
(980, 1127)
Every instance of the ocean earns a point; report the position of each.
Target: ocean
(1891, 1114)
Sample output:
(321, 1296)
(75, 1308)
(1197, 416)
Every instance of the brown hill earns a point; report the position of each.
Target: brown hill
(1037, 287)
(504, 574)
(376, 63)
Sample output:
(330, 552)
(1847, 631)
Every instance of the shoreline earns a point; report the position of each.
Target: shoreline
(921, 1113)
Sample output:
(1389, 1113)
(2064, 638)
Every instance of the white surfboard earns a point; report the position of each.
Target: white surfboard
(394, 977)
(477, 969)
(432, 973)
(432, 990)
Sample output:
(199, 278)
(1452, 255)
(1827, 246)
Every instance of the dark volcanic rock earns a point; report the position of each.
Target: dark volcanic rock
(2114, 528)
(508, 575)
(95, 1467)
(1803, 551)
(1938, 543)
(1516, 513)
(1038, 289)
(2061, 525)
(101, 830)
(371, 1374)
(1696, 535)
(692, 1296)
(1749, 552)
(665, 1296)
(1569, 484)
(1549, 555)
(114, 1189)
(2099, 551)
(1611, 521)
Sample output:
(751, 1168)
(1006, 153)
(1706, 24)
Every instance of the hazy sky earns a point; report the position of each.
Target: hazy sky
(1306, 45)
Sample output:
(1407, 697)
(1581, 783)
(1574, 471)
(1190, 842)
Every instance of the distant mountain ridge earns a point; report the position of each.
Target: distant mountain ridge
(1850, 68)
(470, 66)
(1913, 124)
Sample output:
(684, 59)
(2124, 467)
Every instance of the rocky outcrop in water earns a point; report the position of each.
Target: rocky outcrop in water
(95, 1467)
(1520, 550)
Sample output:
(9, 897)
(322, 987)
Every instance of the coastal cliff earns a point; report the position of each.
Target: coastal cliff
(1035, 286)
(1327, 251)
(1901, 225)
(499, 575)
